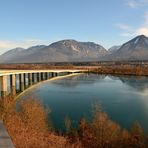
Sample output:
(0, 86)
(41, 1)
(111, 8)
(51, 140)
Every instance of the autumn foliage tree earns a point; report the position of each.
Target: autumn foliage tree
(102, 132)
(29, 128)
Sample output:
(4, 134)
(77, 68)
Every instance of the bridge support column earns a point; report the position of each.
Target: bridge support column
(42, 76)
(69, 73)
(21, 78)
(13, 84)
(30, 79)
(25, 85)
(33, 78)
(49, 75)
(56, 74)
(46, 76)
(38, 77)
(3, 86)
(52, 74)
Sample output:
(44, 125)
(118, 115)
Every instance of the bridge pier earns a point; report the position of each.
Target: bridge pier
(70, 73)
(49, 75)
(56, 74)
(13, 84)
(42, 76)
(21, 78)
(52, 74)
(46, 76)
(3, 86)
(33, 78)
(38, 77)
(25, 85)
(30, 79)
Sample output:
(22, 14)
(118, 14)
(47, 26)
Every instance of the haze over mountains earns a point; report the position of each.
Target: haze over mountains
(73, 51)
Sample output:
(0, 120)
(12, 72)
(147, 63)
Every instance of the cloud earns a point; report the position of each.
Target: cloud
(143, 31)
(123, 26)
(6, 45)
(133, 3)
(128, 31)
(146, 18)
(126, 34)
(137, 3)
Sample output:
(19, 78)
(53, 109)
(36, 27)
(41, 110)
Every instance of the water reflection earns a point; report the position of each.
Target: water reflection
(124, 98)
(139, 83)
(80, 80)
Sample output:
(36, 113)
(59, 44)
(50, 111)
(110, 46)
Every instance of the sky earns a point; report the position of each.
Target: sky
(25, 23)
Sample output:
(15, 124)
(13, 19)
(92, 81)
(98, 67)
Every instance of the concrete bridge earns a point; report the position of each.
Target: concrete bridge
(32, 77)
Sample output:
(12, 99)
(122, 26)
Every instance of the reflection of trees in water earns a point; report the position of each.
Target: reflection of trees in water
(140, 83)
(82, 79)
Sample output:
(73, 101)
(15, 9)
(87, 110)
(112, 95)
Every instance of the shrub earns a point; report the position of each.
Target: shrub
(102, 132)
(28, 126)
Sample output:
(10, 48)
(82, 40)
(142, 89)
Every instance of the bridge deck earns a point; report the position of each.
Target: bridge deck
(10, 72)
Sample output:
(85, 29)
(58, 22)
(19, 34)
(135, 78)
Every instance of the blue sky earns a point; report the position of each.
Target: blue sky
(107, 22)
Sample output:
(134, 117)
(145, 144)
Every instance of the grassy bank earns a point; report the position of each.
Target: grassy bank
(121, 70)
(124, 68)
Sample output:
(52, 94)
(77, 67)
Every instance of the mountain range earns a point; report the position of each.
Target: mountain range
(113, 49)
(135, 49)
(74, 51)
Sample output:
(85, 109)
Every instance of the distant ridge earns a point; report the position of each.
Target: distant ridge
(74, 51)
(114, 49)
(135, 49)
(62, 51)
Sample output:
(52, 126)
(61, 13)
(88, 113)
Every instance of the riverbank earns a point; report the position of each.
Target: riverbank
(101, 131)
(28, 127)
(120, 68)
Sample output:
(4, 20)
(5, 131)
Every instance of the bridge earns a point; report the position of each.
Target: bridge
(25, 79)
(29, 77)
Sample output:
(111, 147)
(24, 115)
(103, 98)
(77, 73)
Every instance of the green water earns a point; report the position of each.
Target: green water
(124, 98)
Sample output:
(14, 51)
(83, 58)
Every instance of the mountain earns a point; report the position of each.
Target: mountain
(114, 49)
(13, 51)
(79, 51)
(35, 48)
(135, 49)
(11, 54)
(18, 53)
(74, 51)
(62, 51)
